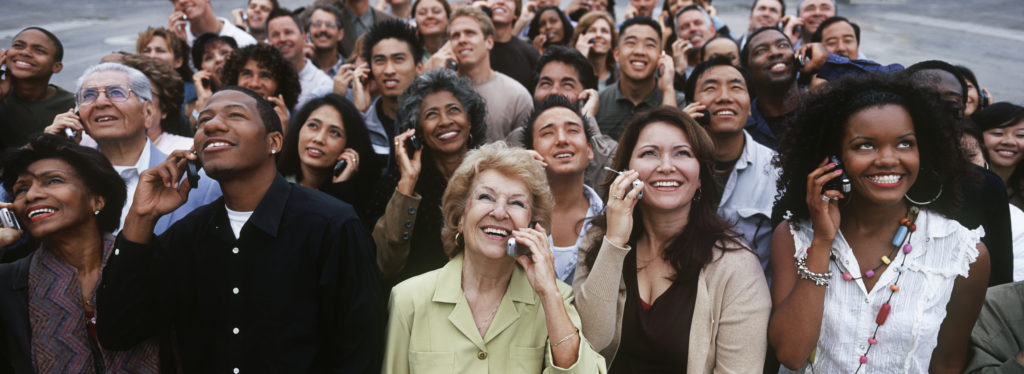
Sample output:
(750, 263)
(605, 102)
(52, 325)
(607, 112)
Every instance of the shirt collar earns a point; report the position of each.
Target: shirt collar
(653, 99)
(449, 284)
(270, 211)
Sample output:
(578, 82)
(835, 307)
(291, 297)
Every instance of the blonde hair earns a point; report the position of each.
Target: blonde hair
(515, 163)
(481, 18)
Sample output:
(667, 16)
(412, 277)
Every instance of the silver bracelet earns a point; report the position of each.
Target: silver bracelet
(567, 337)
(820, 279)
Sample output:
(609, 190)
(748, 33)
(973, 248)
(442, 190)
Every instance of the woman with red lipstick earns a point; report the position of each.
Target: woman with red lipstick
(872, 275)
(442, 114)
(662, 284)
(326, 131)
(69, 199)
(486, 310)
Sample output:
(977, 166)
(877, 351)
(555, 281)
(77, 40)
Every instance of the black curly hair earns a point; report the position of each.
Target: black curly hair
(818, 126)
(268, 58)
(443, 80)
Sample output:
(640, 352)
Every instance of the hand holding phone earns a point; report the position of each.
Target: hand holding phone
(192, 172)
(339, 167)
(516, 249)
(841, 183)
(8, 220)
(705, 118)
(412, 144)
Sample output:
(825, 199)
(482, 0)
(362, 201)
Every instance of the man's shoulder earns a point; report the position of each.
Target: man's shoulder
(318, 203)
(241, 37)
(506, 82)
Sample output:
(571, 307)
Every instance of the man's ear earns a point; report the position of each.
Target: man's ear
(148, 111)
(275, 141)
(490, 42)
(419, 67)
(57, 67)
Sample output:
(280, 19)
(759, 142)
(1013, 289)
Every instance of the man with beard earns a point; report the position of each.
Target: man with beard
(326, 32)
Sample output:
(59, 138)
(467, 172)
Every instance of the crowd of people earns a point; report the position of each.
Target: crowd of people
(506, 186)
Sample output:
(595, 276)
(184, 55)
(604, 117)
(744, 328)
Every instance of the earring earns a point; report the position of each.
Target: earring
(458, 235)
(96, 212)
(273, 151)
(938, 180)
(697, 196)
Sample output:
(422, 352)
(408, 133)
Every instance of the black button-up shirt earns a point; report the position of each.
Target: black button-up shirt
(297, 292)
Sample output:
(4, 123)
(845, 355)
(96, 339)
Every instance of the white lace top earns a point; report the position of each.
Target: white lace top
(942, 250)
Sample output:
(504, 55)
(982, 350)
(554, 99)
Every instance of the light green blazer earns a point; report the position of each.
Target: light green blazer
(431, 329)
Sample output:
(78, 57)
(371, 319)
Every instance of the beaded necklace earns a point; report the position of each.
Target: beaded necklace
(900, 240)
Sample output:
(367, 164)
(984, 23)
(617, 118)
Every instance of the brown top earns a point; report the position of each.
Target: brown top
(655, 336)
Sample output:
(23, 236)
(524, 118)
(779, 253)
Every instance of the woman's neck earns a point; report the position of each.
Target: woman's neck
(447, 163)
(313, 178)
(482, 275)
(660, 227)
(433, 42)
(81, 248)
(860, 215)
(599, 62)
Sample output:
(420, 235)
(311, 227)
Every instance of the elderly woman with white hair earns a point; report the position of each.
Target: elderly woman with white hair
(488, 309)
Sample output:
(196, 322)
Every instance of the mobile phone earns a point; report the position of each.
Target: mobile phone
(412, 144)
(308, 39)
(71, 133)
(659, 72)
(340, 167)
(842, 183)
(192, 171)
(635, 184)
(515, 249)
(985, 99)
(704, 120)
(8, 219)
(451, 64)
(206, 83)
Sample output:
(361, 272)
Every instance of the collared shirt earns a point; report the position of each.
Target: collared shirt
(362, 23)
(749, 195)
(296, 292)
(337, 66)
(130, 175)
(565, 257)
(314, 82)
(431, 328)
(616, 109)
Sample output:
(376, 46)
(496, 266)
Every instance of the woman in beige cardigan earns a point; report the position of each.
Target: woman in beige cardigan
(690, 297)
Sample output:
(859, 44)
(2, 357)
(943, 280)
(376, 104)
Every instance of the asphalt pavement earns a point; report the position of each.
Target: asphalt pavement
(985, 35)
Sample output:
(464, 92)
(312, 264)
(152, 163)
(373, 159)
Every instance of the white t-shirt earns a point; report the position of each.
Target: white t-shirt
(1017, 228)
(241, 37)
(314, 82)
(130, 175)
(237, 220)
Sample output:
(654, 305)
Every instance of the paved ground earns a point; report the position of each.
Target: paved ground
(986, 35)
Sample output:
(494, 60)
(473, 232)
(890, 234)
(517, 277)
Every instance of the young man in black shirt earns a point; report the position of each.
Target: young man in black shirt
(273, 277)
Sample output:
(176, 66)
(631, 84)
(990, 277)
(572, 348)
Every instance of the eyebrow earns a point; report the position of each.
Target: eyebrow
(489, 189)
(226, 107)
(855, 138)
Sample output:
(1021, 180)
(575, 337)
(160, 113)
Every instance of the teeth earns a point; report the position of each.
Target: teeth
(447, 135)
(1006, 153)
(563, 155)
(39, 211)
(21, 63)
(104, 119)
(779, 66)
(494, 231)
(725, 113)
(665, 184)
(216, 144)
(885, 179)
(639, 64)
(317, 151)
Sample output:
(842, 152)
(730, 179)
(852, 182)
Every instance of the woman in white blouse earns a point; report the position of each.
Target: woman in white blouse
(872, 275)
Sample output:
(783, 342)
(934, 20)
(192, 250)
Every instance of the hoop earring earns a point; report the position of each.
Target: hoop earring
(937, 196)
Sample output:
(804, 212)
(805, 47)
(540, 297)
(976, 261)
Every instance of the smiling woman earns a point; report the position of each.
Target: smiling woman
(69, 198)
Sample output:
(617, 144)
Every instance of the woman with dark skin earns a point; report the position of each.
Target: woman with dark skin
(326, 131)
(550, 27)
(446, 117)
(69, 198)
(876, 277)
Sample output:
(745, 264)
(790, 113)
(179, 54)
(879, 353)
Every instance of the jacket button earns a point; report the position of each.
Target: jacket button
(481, 355)
(408, 224)
(405, 236)
(412, 211)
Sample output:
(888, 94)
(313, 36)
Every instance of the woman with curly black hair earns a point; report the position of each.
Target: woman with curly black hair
(443, 117)
(327, 131)
(550, 27)
(870, 271)
(261, 68)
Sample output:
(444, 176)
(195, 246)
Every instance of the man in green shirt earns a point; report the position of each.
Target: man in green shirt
(28, 102)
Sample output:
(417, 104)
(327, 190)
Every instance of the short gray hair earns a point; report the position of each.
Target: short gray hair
(443, 80)
(137, 81)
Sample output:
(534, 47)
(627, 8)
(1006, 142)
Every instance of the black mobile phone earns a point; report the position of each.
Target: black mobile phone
(412, 144)
(451, 64)
(705, 119)
(8, 219)
(206, 83)
(985, 99)
(659, 72)
(515, 249)
(842, 183)
(340, 167)
(192, 172)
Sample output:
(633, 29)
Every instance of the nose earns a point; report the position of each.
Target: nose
(213, 126)
(887, 157)
(34, 192)
(320, 137)
(665, 164)
(500, 210)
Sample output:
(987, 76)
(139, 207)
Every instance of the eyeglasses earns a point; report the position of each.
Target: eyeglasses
(324, 23)
(114, 93)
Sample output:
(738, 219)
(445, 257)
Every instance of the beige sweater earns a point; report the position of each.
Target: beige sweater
(730, 315)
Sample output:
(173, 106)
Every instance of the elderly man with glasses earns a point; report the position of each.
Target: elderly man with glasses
(113, 103)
